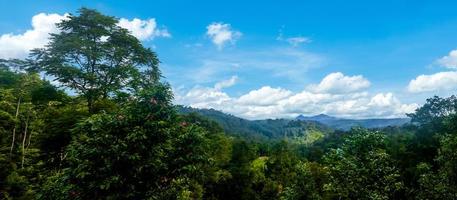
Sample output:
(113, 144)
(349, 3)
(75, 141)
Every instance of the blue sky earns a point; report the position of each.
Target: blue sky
(270, 59)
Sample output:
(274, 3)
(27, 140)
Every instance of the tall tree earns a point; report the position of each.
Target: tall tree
(95, 57)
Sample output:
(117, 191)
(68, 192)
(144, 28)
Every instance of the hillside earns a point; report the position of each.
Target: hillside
(297, 130)
(294, 129)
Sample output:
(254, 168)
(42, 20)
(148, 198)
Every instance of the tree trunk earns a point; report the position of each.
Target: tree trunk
(14, 129)
(30, 138)
(23, 141)
(90, 104)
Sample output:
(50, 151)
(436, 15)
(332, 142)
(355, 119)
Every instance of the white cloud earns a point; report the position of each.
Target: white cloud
(207, 97)
(226, 83)
(449, 61)
(221, 33)
(264, 96)
(383, 100)
(387, 100)
(268, 102)
(441, 81)
(339, 83)
(201, 97)
(18, 45)
(143, 29)
(295, 41)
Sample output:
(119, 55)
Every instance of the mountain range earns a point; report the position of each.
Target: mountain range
(302, 129)
(346, 124)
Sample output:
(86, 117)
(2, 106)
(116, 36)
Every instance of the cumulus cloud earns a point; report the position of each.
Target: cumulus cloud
(264, 96)
(437, 83)
(339, 83)
(388, 100)
(449, 61)
(207, 97)
(203, 97)
(221, 33)
(441, 81)
(143, 29)
(269, 102)
(383, 100)
(18, 45)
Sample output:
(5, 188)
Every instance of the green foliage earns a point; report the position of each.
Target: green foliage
(361, 168)
(434, 109)
(53, 138)
(309, 182)
(20, 106)
(440, 184)
(128, 154)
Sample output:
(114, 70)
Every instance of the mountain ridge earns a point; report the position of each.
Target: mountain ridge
(280, 128)
(346, 124)
(259, 129)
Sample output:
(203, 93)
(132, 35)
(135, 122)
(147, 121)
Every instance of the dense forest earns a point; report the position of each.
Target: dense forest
(90, 116)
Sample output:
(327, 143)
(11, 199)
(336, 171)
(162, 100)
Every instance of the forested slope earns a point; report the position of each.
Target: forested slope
(260, 129)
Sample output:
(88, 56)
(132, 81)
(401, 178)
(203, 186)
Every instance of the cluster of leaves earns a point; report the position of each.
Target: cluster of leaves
(120, 137)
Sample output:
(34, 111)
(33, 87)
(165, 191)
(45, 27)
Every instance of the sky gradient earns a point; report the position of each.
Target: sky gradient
(261, 59)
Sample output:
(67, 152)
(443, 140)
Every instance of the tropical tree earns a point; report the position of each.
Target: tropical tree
(96, 58)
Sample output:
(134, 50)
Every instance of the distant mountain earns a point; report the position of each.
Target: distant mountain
(319, 118)
(346, 124)
(296, 130)
(302, 129)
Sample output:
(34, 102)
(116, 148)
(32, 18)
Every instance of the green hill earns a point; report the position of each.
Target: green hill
(304, 132)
